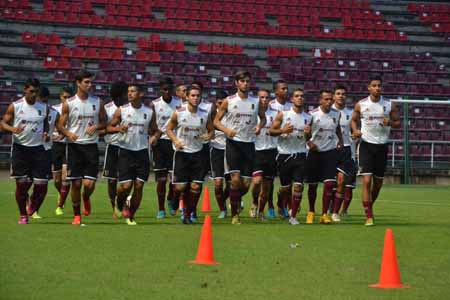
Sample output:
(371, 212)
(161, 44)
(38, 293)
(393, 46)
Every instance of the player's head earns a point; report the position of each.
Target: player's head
(119, 92)
(44, 94)
(65, 93)
(221, 95)
(280, 89)
(325, 99)
(31, 88)
(263, 95)
(166, 88)
(135, 94)
(198, 84)
(242, 81)
(193, 95)
(298, 97)
(83, 81)
(339, 95)
(180, 91)
(374, 86)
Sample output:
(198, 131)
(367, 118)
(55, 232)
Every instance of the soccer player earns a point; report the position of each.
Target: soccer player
(26, 119)
(240, 124)
(346, 169)
(377, 115)
(217, 158)
(265, 160)
(81, 118)
(291, 125)
(323, 141)
(118, 93)
(180, 92)
(164, 107)
(59, 159)
(188, 128)
(133, 123)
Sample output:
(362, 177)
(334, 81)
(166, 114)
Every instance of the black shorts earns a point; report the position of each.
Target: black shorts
(188, 167)
(350, 181)
(82, 161)
(292, 168)
(321, 166)
(59, 152)
(133, 165)
(206, 159)
(217, 158)
(49, 154)
(266, 163)
(29, 162)
(110, 165)
(372, 159)
(345, 163)
(163, 156)
(239, 157)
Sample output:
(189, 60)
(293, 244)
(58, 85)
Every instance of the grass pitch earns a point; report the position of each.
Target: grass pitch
(106, 259)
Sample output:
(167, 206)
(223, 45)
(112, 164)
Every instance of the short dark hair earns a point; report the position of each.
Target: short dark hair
(191, 88)
(139, 88)
(66, 89)
(32, 82)
(339, 87)
(221, 94)
(324, 91)
(179, 85)
(373, 78)
(239, 75)
(198, 83)
(118, 89)
(82, 74)
(276, 83)
(165, 81)
(44, 92)
(298, 90)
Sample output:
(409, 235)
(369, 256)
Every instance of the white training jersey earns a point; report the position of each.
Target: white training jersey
(372, 115)
(206, 106)
(83, 114)
(190, 127)
(31, 118)
(138, 122)
(295, 141)
(274, 104)
(163, 112)
(264, 141)
(51, 118)
(345, 124)
(58, 108)
(242, 117)
(324, 129)
(111, 139)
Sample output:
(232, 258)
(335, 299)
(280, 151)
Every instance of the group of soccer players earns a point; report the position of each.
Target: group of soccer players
(239, 139)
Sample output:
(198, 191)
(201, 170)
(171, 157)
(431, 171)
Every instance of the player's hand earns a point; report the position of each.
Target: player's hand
(153, 140)
(178, 145)
(288, 128)
(123, 128)
(17, 130)
(339, 146)
(356, 134)
(307, 129)
(204, 137)
(91, 129)
(257, 130)
(230, 133)
(72, 136)
(312, 147)
(386, 122)
(57, 137)
(46, 137)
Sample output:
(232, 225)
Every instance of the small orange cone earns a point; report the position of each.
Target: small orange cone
(206, 206)
(205, 255)
(389, 274)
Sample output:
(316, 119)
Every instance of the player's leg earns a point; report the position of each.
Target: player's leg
(296, 200)
(256, 192)
(328, 166)
(298, 174)
(22, 187)
(266, 188)
(366, 168)
(90, 172)
(219, 194)
(379, 170)
(338, 196)
(312, 178)
(350, 184)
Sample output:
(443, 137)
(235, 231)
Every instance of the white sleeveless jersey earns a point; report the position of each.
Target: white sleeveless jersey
(83, 114)
(31, 119)
(206, 106)
(219, 140)
(138, 121)
(190, 127)
(345, 123)
(58, 108)
(324, 129)
(274, 104)
(112, 139)
(51, 118)
(372, 115)
(295, 141)
(242, 117)
(163, 112)
(264, 141)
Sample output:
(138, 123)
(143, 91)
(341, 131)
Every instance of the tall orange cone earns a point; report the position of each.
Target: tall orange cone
(206, 206)
(389, 274)
(205, 255)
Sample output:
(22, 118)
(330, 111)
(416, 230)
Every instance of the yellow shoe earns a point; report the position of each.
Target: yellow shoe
(310, 217)
(117, 214)
(131, 222)
(369, 222)
(59, 211)
(325, 219)
(36, 216)
(235, 220)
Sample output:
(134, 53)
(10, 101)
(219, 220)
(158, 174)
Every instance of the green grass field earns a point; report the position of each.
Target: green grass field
(51, 259)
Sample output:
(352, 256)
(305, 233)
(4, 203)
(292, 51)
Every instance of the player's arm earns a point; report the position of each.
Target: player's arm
(276, 128)
(356, 120)
(223, 109)
(210, 129)
(213, 112)
(7, 120)
(262, 118)
(340, 143)
(394, 120)
(102, 120)
(61, 125)
(113, 125)
(153, 131)
(56, 135)
(308, 136)
(173, 123)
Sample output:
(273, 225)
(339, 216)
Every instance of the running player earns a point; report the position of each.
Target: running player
(59, 159)
(26, 119)
(118, 93)
(377, 115)
(188, 128)
(180, 92)
(84, 115)
(164, 107)
(240, 124)
(291, 125)
(324, 139)
(133, 123)
(265, 161)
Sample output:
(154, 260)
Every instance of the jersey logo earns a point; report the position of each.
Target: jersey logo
(348, 117)
(184, 120)
(39, 112)
(93, 107)
(49, 118)
(384, 108)
(145, 116)
(201, 121)
(253, 106)
(128, 116)
(271, 119)
(334, 120)
(306, 122)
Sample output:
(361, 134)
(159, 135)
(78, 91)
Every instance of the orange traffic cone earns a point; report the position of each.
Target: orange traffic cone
(206, 206)
(205, 255)
(389, 274)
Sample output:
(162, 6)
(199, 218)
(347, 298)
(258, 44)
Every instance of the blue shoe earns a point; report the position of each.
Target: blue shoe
(286, 213)
(271, 214)
(172, 211)
(161, 214)
(182, 214)
(222, 215)
(193, 217)
(186, 221)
